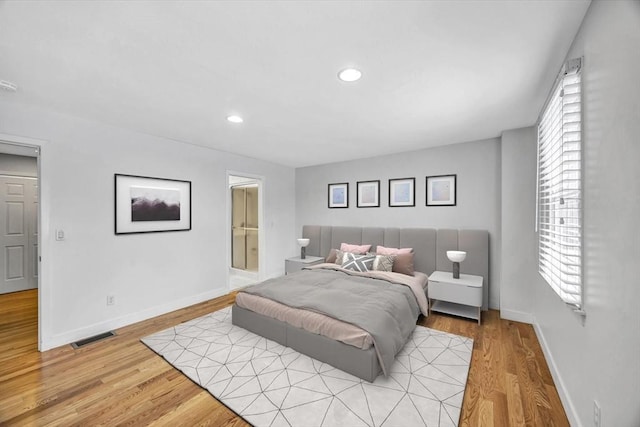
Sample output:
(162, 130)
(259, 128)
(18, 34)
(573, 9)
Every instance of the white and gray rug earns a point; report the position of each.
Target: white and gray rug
(268, 384)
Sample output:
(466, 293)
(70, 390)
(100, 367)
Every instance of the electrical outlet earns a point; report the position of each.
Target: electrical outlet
(597, 415)
(111, 300)
(59, 234)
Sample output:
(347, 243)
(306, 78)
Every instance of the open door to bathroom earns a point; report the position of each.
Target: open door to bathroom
(245, 229)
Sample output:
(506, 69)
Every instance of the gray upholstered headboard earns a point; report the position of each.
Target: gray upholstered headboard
(430, 245)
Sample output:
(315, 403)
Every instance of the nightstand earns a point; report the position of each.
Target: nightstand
(460, 297)
(296, 264)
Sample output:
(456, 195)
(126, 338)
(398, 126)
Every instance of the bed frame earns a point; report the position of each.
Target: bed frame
(430, 247)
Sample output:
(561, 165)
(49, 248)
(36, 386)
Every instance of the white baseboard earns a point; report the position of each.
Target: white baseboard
(128, 319)
(516, 316)
(569, 409)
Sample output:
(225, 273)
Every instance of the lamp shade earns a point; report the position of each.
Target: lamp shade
(303, 242)
(456, 256)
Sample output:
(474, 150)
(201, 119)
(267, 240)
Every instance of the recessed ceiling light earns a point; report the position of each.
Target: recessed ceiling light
(8, 86)
(235, 119)
(350, 75)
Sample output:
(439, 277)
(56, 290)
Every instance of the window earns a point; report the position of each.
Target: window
(560, 187)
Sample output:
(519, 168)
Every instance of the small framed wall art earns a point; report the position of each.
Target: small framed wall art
(368, 194)
(339, 195)
(148, 205)
(441, 190)
(402, 192)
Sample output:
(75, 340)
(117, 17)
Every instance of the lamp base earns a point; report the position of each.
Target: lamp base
(456, 270)
(303, 252)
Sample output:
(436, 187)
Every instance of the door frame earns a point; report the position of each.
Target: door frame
(260, 179)
(12, 144)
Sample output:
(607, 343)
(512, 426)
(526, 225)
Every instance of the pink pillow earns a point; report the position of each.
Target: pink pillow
(331, 258)
(403, 263)
(381, 250)
(355, 249)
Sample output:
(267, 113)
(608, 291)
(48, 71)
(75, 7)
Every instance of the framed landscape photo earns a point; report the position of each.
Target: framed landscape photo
(368, 194)
(441, 190)
(402, 192)
(339, 195)
(147, 205)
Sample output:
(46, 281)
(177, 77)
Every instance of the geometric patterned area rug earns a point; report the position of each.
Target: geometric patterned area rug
(268, 384)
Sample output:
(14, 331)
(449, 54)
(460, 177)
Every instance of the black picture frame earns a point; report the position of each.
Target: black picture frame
(338, 195)
(402, 192)
(365, 190)
(144, 204)
(441, 190)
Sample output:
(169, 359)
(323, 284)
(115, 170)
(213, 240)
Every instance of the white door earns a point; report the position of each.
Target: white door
(18, 233)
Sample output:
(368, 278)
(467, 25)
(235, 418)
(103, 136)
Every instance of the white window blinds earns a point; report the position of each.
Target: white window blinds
(560, 187)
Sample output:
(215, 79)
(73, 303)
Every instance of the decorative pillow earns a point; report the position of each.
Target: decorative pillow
(403, 263)
(357, 262)
(331, 258)
(355, 249)
(383, 262)
(381, 250)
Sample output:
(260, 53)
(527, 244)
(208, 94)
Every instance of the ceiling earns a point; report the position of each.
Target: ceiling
(434, 72)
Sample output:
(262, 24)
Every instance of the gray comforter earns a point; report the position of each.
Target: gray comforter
(388, 311)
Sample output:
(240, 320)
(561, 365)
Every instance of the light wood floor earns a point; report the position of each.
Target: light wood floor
(119, 381)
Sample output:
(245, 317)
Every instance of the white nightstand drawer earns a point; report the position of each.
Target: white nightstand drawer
(458, 293)
(292, 265)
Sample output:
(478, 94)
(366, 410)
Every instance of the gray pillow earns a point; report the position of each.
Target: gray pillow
(359, 263)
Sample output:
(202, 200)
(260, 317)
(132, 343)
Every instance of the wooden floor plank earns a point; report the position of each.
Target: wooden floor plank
(514, 401)
(486, 413)
(470, 414)
(119, 381)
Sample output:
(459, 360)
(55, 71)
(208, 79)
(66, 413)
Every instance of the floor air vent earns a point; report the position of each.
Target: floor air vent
(93, 339)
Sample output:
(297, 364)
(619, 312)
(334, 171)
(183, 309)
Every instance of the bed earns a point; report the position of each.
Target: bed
(366, 362)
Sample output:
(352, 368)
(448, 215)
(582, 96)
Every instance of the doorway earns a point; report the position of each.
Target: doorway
(245, 230)
(18, 230)
(19, 224)
(244, 227)
(19, 240)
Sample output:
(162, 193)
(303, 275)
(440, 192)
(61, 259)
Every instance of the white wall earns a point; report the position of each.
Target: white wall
(598, 359)
(148, 273)
(477, 165)
(518, 269)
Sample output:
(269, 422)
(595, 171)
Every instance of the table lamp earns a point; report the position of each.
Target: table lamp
(303, 247)
(456, 257)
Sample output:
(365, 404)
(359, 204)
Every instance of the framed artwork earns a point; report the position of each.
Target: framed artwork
(339, 195)
(402, 192)
(368, 194)
(441, 190)
(148, 205)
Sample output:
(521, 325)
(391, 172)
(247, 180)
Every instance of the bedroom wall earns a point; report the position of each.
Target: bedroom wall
(149, 274)
(519, 239)
(596, 358)
(477, 165)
